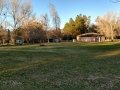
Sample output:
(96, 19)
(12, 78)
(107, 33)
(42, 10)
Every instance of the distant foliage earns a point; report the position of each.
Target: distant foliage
(109, 25)
(78, 26)
(3, 35)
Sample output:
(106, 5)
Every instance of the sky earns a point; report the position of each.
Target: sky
(71, 8)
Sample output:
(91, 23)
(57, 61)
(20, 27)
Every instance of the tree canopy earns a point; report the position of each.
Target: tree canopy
(109, 25)
(78, 26)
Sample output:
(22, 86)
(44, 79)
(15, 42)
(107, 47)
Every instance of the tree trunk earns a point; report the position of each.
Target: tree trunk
(33, 41)
(48, 40)
(112, 37)
(0, 43)
(3, 41)
(27, 42)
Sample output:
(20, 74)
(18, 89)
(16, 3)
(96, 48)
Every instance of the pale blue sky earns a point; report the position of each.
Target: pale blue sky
(70, 8)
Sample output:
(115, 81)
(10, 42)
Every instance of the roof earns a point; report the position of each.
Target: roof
(90, 35)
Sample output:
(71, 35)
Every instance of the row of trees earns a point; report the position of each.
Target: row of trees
(108, 25)
(18, 16)
(36, 32)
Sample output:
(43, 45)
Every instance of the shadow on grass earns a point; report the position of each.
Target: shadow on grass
(71, 66)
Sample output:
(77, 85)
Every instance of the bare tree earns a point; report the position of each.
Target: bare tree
(3, 13)
(56, 33)
(2, 5)
(46, 26)
(32, 31)
(18, 11)
(37, 32)
(55, 16)
(107, 24)
(26, 31)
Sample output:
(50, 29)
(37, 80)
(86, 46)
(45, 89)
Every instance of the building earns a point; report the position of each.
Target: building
(90, 37)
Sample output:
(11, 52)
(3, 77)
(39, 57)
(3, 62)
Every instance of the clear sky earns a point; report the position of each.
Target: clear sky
(71, 8)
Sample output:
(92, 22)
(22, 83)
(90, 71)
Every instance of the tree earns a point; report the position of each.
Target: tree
(79, 26)
(92, 28)
(32, 31)
(55, 16)
(82, 23)
(72, 28)
(108, 24)
(56, 33)
(18, 11)
(2, 5)
(8, 36)
(87, 23)
(45, 23)
(66, 31)
(3, 12)
(2, 35)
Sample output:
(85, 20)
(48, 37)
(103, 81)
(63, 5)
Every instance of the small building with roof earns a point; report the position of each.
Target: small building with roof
(91, 37)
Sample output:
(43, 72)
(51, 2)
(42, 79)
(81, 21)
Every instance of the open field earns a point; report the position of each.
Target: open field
(61, 66)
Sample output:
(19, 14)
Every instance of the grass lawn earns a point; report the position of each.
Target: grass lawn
(61, 66)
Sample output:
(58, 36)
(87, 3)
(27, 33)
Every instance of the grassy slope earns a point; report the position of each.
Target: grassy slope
(61, 66)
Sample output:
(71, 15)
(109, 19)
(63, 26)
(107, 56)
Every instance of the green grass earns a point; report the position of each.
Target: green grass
(61, 66)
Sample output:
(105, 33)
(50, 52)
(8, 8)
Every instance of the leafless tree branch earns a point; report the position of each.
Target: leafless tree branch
(114, 1)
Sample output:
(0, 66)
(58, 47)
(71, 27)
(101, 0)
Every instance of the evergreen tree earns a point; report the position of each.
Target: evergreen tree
(81, 25)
